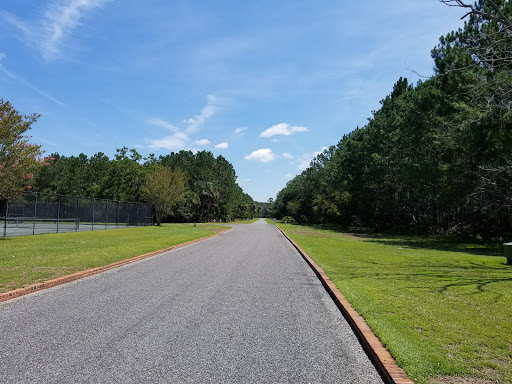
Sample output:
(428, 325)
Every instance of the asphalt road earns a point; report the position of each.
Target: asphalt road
(242, 307)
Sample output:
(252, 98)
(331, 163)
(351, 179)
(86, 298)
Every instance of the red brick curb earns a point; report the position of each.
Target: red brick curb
(379, 355)
(80, 275)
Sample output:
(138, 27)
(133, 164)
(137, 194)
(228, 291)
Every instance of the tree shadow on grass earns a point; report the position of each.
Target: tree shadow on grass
(436, 244)
(441, 279)
(433, 242)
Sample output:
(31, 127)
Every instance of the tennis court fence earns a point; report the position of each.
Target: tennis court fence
(35, 213)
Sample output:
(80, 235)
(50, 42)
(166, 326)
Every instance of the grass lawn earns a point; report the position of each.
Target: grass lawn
(244, 221)
(444, 310)
(27, 260)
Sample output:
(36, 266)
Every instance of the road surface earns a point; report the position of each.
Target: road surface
(242, 307)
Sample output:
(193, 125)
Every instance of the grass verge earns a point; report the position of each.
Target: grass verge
(27, 260)
(244, 221)
(444, 310)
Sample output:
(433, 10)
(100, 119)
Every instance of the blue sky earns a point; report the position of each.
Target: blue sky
(266, 84)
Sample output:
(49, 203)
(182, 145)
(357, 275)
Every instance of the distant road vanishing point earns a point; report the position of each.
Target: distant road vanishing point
(242, 307)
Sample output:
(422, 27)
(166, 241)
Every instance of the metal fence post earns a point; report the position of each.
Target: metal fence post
(35, 215)
(93, 204)
(77, 221)
(58, 213)
(6, 213)
(106, 215)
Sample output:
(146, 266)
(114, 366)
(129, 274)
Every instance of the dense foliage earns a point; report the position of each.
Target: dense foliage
(206, 187)
(436, 157)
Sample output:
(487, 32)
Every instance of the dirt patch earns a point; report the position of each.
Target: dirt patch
(9, 286)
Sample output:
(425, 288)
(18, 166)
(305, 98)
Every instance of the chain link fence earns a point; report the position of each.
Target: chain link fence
(36, 213)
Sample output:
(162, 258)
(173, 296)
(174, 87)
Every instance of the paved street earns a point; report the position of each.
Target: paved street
(242, 307)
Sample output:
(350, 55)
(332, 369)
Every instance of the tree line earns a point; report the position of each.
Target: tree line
(436, 156)
(183, 186)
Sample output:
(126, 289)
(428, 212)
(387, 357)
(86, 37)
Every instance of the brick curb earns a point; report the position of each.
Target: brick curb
(80, 275)
(378, 354)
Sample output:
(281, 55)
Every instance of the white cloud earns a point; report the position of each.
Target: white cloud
(222, 146)
(2, 56)
(208, 111)
(303, 164)
(288, 175)
(287, 156)
(263, 155)
(163, 124)
(181, 138)
(202, 142)
(307, 158)
(57, 24)
(174, 142)
(282, 129)
(239, 131)
(59, 21)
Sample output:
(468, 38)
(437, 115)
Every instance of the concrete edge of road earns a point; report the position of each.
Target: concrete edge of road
(10, 295)
(378, 354)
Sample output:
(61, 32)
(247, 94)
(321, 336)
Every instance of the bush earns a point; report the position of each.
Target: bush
(288, 219)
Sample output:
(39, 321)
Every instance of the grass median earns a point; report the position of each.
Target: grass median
(444, 310)
(27, 260)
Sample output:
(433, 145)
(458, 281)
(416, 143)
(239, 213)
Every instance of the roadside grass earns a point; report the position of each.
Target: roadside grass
(27, 260)
(444, 310)
(243, 221)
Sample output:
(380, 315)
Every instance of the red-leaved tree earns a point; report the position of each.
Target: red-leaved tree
(19, 159)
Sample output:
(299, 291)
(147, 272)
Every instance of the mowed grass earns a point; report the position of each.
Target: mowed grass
(444, 310)
(27, 260)
(250, 221)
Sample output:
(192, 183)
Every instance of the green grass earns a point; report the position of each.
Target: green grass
(27, 260)
(249, 221)
(441, 308)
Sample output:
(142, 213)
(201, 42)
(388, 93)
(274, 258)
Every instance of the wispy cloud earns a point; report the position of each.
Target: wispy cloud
(222, 146)
(60, 19)
(263, 155)
(282, 129)
(307, 158)
(18, 24)
(240, 131)
(163, 124)
(2, 56)
(286, 155)
(26, 83)
(177, 141)
(208, 111)
(181, 139)
(202, 142)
